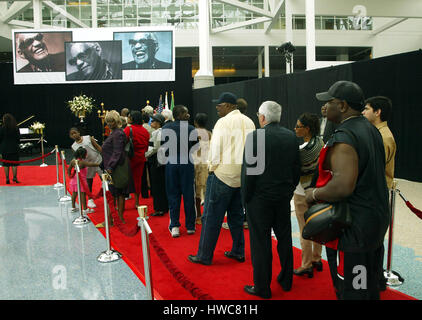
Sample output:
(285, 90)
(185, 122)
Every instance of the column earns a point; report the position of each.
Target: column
(267, 60)
(37, 8)
(310, 34)
(289, 31)
(204, 77)
(94, 20)
(259, 63)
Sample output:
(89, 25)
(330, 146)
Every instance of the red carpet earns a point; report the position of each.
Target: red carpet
(33, 176)
(223, 280)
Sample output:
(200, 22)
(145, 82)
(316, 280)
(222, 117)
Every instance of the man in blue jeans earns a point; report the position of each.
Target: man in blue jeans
(179, 137)
(223, 184)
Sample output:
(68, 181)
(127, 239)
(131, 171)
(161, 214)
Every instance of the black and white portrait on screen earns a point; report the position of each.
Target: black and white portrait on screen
(93, 60)
(146, 50)
(40, 51)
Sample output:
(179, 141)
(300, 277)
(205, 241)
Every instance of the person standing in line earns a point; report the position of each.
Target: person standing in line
(180, 173)
(200, 159)
(9, 145)
(157, 170)
(378, 111)
(146, 176)
(223, 184)
(307, 127)
(140, 138)
(93, 155)
(266, 196)
(113, 153)
(352, 169)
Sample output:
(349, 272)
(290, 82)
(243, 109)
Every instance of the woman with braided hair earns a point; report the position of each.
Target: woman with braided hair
(307, 127)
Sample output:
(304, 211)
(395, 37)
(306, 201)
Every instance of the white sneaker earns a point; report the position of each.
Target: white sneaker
(74, 209)
(91, 203)
(191, 231)
(89, 210)
(175, 232)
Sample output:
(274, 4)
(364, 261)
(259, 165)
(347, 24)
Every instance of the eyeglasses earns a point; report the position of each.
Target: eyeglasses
(29, 41)
(145, 42)
(80, 56)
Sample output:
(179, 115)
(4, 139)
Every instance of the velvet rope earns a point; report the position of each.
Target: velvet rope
(176, 273)
(126, 229)
(417, 212)
(30, 160)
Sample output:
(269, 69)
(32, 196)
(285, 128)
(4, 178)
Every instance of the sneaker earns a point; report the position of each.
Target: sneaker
(225, 225)
(74, 210)
(191, 231)
(175, 232)
(91, 204)
(89, 210)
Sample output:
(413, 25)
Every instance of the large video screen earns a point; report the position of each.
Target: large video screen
(93, 55)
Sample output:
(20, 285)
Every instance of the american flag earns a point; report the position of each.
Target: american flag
(160, 104)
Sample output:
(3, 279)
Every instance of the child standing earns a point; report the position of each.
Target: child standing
(83, 164)
(93, 155)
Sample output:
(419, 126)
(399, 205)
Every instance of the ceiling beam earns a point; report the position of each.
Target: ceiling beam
(242, 24)
(66, 14)
(387, 26)
(248, 7)
(276, 13)
(30, 25)
(15, 9)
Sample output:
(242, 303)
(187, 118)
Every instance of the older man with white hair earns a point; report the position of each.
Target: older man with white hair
(266, 195)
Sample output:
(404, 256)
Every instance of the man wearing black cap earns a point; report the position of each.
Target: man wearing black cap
(353, 163)
(222, 193)
(157, 171)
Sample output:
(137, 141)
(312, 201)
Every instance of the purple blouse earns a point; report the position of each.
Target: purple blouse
(113, 149)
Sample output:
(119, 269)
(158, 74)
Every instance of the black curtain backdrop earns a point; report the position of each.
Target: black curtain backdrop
(398, 77)
(49, 102)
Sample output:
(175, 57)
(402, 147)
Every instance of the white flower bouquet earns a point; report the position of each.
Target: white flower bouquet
(37, 127)
(81, 105)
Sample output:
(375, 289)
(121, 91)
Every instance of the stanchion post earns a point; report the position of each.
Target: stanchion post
(81, 220)
(42, 149)
(58, 185)
(145, 232)
(65, 197)
(393, 279)
(109, 255)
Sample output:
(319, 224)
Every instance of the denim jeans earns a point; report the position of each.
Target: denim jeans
(219, 199)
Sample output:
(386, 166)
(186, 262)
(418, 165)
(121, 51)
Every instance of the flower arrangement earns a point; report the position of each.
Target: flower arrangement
(81, 105)
(37, 127)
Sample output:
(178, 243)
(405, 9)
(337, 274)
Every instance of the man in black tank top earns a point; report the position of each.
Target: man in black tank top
(356, 159)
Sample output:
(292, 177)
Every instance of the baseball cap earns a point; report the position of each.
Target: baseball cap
(344, 90)
(227, 97)
(158, 117)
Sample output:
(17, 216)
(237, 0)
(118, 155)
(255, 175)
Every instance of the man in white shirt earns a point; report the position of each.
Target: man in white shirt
(223, 183)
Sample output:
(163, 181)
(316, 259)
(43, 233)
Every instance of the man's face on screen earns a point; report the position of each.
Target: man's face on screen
(86, 57)
(143, 47)
(32, 47)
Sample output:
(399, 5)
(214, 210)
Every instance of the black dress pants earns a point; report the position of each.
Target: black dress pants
(262, 216)
(158, 187)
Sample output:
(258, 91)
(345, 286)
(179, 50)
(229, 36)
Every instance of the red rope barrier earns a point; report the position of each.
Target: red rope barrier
(176, 273)
(30, 160)
(417, 212)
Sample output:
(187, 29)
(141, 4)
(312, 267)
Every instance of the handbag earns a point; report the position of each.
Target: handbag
(129, 146)
(120, 175)
(325, 222)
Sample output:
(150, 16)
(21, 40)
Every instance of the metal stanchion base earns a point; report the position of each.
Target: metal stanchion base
(393, 278)
(58, 185)
(44, 165)
(81, 220)
(109, 256)
(65, 198)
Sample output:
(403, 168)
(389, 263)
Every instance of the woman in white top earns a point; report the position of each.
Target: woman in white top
(307, 127)
(93, 155)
